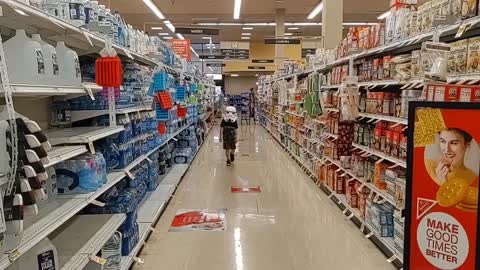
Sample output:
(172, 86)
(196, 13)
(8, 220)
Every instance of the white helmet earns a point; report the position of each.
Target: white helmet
(230, 114)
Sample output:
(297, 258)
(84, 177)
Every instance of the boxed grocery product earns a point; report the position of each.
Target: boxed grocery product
(403, 147)
(378, 35)
(391, 176)
(445, 93)
(395, 152)
(413, 24)
(461, 53)
(400, 183)
(407, 96)
(469, 94)
(469, 8)
(386, 66)
(430, 92)
(390, 28)
(340, 183)
(399, 233)
(473, 60)
(402, 19)
(379, 176)
(417, 71)
(451, 63)
(456, 8)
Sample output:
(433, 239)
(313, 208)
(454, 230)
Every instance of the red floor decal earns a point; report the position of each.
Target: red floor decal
(246, 189)
(188, 220)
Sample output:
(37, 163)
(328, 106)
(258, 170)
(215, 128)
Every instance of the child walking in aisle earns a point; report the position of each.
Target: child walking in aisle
(228, 133)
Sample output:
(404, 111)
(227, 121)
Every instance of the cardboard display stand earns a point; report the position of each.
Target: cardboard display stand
(441, 225)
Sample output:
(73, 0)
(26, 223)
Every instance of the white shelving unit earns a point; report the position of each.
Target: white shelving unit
(82, 237)
(62, 153)
(154, 203)
(87, 114)
(127, 261)
(174, 176)
(399, 162)
(80, 135)
(384, 118)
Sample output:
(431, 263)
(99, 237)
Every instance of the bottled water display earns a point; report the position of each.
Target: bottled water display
(82, 174)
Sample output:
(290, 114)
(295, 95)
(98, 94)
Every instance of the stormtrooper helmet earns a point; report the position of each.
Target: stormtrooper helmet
(230, 114)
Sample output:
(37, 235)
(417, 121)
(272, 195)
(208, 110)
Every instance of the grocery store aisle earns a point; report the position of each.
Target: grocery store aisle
(290, 225)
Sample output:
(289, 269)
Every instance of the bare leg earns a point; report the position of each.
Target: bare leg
(227, 154)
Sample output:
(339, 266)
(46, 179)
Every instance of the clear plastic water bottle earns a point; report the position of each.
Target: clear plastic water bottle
(102, 16)
(101, 166)
(112, 24)
(77, 12)
(87, 173)
(88, 10)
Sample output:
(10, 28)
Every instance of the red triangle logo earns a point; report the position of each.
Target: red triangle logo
(423, 206)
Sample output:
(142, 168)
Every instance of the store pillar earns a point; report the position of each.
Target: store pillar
(279, 33)
(332, 23)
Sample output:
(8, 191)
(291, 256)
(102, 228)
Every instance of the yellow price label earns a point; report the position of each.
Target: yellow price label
(98, 260)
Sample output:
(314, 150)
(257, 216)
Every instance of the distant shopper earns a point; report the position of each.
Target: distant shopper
(252, 103)
(228, 133)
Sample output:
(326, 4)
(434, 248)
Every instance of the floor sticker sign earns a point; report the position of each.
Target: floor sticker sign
(441, 223)
(188, 220)
(255, 189)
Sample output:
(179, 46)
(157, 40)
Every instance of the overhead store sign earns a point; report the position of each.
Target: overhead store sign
(213, 57)
(284, 41)
(197, 31)
(263, 61)
(217, 64)
(182, 48)
(235, 50)
(441, 226)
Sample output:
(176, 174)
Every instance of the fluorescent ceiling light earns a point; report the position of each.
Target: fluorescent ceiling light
(315, 11)
(288, 34)
(180, 36)
(246, 34)
(163, 34)
(157, 28)
(234, 75)
(247, 28)
(154, 8)
(236, 24)
(384, 15)
(245, 37)
(207, 38)
(167, 37)
(170, 26)
(236, 9)
(293, 28)
(358, 23)
(286, 24)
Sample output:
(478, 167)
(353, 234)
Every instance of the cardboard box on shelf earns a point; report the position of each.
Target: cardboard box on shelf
(469, 94)
(447, 93)
(473, 57)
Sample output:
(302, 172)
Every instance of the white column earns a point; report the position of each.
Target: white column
(332, 20)
(279, 33)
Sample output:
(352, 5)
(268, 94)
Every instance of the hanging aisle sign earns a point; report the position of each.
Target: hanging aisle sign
(441, 225)
(182, 48)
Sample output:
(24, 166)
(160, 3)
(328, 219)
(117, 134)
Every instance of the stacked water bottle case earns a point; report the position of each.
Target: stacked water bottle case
(187, 145)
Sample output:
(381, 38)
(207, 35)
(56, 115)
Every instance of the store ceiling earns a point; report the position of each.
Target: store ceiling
(192, 12)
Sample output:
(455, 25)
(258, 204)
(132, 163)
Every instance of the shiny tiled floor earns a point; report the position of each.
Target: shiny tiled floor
(291, 225)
